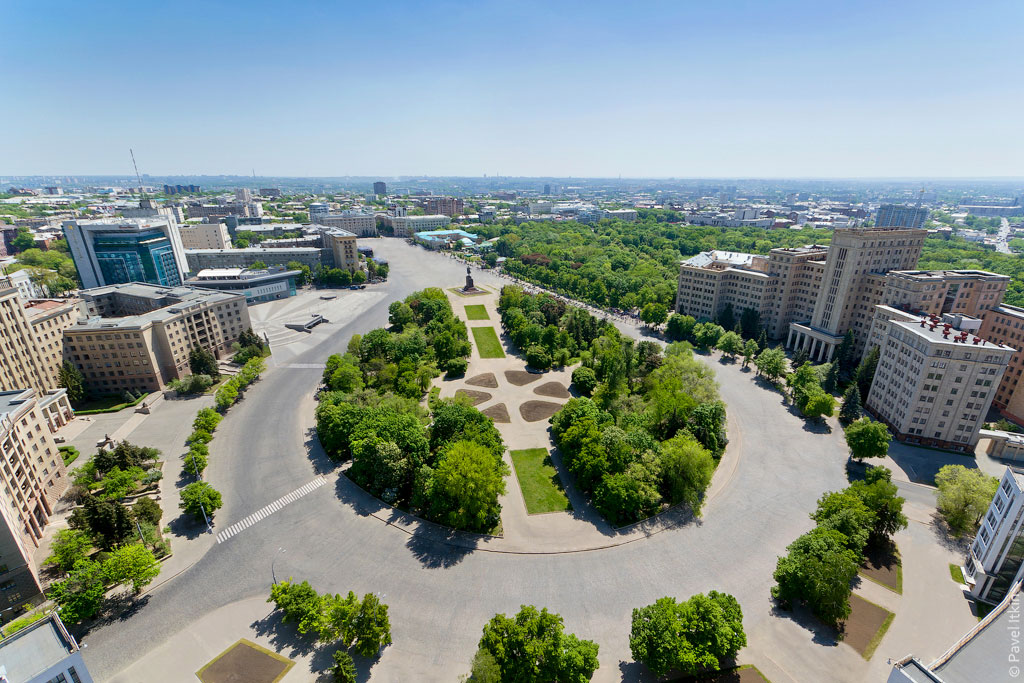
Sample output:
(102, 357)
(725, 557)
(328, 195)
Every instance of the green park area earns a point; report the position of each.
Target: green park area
(477, 312)
(487, 342)
(539, 481)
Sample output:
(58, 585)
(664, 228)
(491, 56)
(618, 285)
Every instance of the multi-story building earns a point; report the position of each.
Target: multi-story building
(30, 340)
(138, 337)
(448, 206)
(205, 236)
(201, 259)
(934, 292)
(109, 252)
(33, 478)
(149, 208)
(243, 195)
(43, 652)
(629, 215)
(356, 222)
(219, 211)
(996, 557)
(1004, 324)
(342, 245)
(407, 226)
(271, 192)
(264, 284)
(897, 216)
(181, 189)
(22, 281)
(853, 284)
(380, 188)
(936, 379)
(782, 286)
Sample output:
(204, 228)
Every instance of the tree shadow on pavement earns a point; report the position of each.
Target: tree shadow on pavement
(317, 455)
(635, 671)
(438, 549)
(283, 636)
(800, 615)
(947, 538)
(185, 526)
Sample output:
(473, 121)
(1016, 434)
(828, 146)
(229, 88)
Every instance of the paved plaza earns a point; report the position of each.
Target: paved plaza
(443, 586)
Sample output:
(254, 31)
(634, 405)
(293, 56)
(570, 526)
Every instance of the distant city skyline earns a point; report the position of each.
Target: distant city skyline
(791, 89)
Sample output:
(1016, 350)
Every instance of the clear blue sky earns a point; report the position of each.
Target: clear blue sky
(769, 88)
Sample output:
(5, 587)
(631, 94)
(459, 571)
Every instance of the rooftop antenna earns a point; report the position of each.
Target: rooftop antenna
(920, 198)
(142, 193)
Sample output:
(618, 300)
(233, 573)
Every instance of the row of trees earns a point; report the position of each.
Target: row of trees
(651, 433)
(820, 566)
(352, 624)
(450, 472)
(545, 329)
(229, 392)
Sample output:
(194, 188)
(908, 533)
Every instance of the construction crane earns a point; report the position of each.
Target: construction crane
(142, 193)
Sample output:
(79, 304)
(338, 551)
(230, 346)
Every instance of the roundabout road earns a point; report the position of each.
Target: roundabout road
(440, 595)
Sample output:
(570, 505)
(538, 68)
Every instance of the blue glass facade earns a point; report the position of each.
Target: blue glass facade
(138, 257)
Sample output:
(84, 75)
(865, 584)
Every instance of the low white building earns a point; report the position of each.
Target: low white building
(407, 226)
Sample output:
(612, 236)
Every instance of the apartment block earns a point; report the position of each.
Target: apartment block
(407, 226)
(936, 379)
(138, 337)
(108, 252)
(996, 556)
(30, 339)
(342, 245)
(356, 222)
(380, 187)
(33, 478)
(898, 216)
(448, 206)
(205, 236)
(1004, 324)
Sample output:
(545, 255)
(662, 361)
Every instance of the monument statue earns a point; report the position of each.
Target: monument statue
(469, 282)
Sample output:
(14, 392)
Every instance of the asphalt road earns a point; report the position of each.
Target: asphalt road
(441, 596)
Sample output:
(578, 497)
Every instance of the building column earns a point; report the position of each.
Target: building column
(789, 339)
(831, 352)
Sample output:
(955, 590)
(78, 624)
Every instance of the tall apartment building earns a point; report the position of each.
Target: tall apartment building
(342, 244)
(407, 226)
(33, 479)
(853, 283)
(448, 206)
(1004, 324)
(782, 286)
(138, 337)
(380, 187)
(898, 216)
(996, 556)
(109, 252)
(356, 222)
(205, 236)
(936, 379)
(31, 340)
(243, 195)
(934, 292)
(250, 209)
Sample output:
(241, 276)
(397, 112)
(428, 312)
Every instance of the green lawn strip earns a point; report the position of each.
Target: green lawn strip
(538, 480)
(956, 574)
(487, 342)
(68, 453)
(476, 312)
(877, 638)
(107, 405)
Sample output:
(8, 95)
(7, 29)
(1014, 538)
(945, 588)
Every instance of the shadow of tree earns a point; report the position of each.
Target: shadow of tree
(184, 525)
(800, 615)
(322, 463)
(946, 536)
(439, 550)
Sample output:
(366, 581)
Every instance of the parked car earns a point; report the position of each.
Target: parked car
(353, 286)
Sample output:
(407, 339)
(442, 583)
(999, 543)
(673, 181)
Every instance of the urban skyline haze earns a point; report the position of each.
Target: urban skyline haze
(784, 89)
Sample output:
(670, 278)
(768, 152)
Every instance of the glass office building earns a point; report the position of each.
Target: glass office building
(145, 256)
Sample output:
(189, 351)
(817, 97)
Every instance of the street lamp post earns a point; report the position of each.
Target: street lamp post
(209, 527)
(273, 562)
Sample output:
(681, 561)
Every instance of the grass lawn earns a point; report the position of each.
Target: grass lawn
(476, 312)
(69, 454)
(956, 573)
(539, 482)
(487, 342)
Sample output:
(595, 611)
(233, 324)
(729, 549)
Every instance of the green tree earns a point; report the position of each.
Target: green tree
(538, 357)
(964, 496)
(68, 547)
(706, 335)
(750, 349)
(134, 563)
(727, 317)
(819, 404)
(817, 570)
(845, 512)
(831, 383)
(147, 510)
(358, 277)
(80, 595)
(762, 339)
(532, 646)
(845, 356)
(867, 439)
(680, 327)
(202, 362)
(771, 363)
(257, 265)
(686, 468)
(584, 380)
(199, 496)
(865, 373)
(400, 314)
(882, 497)
(851, 409)
(108, 522)
(300, 604)
(466, 485)
(207, 420)
(693, 636)
(23, 240)
(485, 668)
(730, 344)
(69, 377)
(371, 626)
(750, 323)
(344, 669)
(654, 314)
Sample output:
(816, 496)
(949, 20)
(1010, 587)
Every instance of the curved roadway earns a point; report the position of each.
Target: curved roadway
(439, 595)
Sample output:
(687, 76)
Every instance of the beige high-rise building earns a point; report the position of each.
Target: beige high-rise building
(138, 337)
(342, 243)
(935, 380)
(205, 236)
(1004, 324)
(356, 222)
(33, 479)
(853, 284)
(31, 339)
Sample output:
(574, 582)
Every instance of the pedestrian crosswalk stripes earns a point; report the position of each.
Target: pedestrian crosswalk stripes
(268, 510)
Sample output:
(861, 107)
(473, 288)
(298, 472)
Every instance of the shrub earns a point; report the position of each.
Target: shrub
(199, 496)
(191, 384)
(147, 510)
(585, 380)
(457, 366)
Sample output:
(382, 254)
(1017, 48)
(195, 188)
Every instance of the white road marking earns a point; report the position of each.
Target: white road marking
(270, 509)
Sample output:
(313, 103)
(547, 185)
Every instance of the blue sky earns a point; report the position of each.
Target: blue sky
(774, 88)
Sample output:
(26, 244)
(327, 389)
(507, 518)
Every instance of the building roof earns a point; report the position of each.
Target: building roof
(938, 335)
(253, 250)
(35, 649)
(441, 234)
(171, 301)
(707, 258)
(143, 223)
